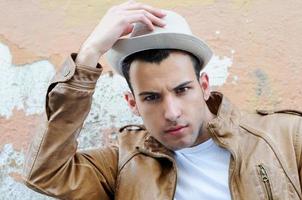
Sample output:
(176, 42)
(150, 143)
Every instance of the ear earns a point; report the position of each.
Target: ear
(205, 85)
(129, 97)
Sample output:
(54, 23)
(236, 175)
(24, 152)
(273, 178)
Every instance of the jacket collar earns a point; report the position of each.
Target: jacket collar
(224, 128)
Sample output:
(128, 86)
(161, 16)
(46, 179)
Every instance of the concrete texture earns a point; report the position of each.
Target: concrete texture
(257, 64)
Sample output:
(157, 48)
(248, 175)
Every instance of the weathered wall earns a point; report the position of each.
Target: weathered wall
(257, 64)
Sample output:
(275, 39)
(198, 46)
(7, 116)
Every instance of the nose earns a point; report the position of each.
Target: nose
(172, 109)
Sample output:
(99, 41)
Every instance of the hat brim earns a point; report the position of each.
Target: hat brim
(127, 46)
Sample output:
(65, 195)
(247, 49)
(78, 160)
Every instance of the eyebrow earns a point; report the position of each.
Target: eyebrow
(177, 87)
(182, 85)
(147, 93)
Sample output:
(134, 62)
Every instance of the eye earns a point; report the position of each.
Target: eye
(151, 98)
(181, 90)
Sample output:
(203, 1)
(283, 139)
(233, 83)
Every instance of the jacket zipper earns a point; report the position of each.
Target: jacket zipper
(265, 180)
(263, 136)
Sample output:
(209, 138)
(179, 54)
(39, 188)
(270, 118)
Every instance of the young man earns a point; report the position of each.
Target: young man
(194, 143)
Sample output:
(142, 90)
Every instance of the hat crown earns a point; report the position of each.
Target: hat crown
(175, 23)
(176, 34)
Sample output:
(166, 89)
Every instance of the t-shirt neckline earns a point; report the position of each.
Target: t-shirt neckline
(198, 148)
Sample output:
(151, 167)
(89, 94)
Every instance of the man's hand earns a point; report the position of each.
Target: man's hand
(117, 22)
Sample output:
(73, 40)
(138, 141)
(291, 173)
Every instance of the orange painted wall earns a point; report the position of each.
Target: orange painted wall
(257, 44)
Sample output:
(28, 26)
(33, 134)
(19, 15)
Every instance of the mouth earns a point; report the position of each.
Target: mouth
(176, 130)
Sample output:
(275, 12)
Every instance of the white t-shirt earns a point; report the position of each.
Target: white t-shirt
(202, 172)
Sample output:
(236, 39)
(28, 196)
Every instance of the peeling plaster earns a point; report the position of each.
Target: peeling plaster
(217, 69)
(108, 111)
(11, 161)
(22, 87)
(235, 79)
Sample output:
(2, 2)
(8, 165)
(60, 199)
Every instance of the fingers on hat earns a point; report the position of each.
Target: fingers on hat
(153, 19)
(133, 18)
(140, 6)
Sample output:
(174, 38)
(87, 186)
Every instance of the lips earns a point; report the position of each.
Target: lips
(175, 130)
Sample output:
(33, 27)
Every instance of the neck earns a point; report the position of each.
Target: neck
(204, 134)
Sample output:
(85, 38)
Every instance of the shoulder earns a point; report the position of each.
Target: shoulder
(274, 121)
(280, 128)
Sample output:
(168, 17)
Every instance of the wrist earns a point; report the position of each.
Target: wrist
(88, 56)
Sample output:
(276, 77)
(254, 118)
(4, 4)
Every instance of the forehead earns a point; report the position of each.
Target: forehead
(173, 70)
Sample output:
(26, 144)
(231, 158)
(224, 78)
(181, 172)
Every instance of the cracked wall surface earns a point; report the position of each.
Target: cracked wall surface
(257, 64)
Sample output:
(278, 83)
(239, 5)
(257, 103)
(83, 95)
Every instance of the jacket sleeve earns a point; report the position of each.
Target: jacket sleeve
(53, 166)
(299, 146)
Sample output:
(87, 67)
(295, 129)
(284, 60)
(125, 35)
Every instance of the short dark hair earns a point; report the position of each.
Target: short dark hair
(156, 56)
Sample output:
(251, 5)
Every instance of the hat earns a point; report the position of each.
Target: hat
(176, 34)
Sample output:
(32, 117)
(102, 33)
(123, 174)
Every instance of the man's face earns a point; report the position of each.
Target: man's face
(170, 100)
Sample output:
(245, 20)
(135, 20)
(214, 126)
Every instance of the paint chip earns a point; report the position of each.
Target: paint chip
(217, 70)
(23, 87)
(235, 79)
(11, 162)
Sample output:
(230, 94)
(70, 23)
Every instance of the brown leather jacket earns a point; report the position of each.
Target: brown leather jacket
(265, 148)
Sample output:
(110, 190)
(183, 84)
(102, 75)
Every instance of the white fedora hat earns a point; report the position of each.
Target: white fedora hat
(176, 34)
